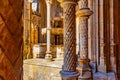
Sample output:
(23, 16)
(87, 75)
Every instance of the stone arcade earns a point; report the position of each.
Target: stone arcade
(59, 40)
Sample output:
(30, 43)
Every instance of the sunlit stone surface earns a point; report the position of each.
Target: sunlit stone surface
(40, 69)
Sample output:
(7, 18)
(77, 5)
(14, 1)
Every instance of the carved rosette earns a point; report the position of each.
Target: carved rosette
(83, 62)
(69, 68)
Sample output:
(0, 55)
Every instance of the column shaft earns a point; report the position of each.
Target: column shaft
(83, 62)
(77, 35)
(27, 30)
(48, 27)
(69, 38)
(112, 38)
(83, 35)
(48, 52)
(102, 65)
(69, 67)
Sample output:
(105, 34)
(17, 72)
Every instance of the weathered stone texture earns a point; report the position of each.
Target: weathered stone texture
(40, 69)
(11, 39)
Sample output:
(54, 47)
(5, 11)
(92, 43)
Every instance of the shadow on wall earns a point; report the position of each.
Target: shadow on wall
(1, 78)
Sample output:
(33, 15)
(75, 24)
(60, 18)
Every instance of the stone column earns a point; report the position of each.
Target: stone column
(83, 62)
(48, 52)
(27, 29)
(77, 35)
(91, 36)
(102, 66)
(69, 67)
(112, 38)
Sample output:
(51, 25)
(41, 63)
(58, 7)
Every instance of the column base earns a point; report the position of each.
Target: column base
(85, 79)
(113, 63)
(93, 66)
(48, 56)
(102, 67)
(68, 75)
(84, 70)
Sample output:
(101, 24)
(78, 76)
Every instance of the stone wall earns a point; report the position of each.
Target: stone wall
(40, 50)
(104, 33)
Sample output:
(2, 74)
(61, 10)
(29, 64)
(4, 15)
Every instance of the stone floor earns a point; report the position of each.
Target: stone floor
(40, 69)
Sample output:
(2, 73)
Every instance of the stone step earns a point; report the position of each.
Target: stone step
(104, 76)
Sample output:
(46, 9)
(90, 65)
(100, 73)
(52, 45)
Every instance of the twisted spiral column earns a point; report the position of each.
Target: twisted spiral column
(69, 68)
(83, 62)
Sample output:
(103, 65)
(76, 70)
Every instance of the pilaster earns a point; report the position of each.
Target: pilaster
(112, 38)
(102, 66)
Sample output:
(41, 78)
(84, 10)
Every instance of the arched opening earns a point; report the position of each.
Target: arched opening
(37, 15)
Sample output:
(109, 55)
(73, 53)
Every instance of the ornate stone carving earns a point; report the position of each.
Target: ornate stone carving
(83, 62)
(69, 36)
(83, 4)
(69, 68)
